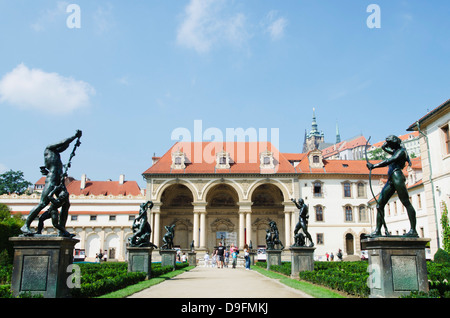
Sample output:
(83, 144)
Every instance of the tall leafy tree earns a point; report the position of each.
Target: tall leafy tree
(13, 182)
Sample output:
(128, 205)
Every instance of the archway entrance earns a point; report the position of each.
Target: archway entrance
(267, 206)
(222, 216)
(177, 209)
(349, 244)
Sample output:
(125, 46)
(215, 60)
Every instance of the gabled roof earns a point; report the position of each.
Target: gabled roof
(444, 107)
(101, 188)
(201, 158)
(104, 188)
(344, 145)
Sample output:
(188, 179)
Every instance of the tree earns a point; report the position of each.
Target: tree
(9, 226)
(13, 182)
(378, 154)
(445, 228)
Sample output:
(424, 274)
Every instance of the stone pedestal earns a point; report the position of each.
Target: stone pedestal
(397, 265)
(252, 258)
(192, 258)
(140, 260)
(168, 258)
(273, 257)
(302, 259)
(41, 265)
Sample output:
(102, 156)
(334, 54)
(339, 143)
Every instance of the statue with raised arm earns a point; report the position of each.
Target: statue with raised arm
(302, 224)
(396, 183)
(168, 237)
(141, 228)
(275, 235)
(55, 191)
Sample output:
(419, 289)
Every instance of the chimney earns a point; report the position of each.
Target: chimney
(83, 181)
(122, 179)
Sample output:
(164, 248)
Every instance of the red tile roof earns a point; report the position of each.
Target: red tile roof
(101, 188)
(246, 151)
(344, 145)
(201, 158)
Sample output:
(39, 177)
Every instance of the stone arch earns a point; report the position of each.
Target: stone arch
(112, 245)
(178, 196)
(222, 195)
(349, 238)
(157, 195)
(282, 187)
(208, 187)
(93, 244)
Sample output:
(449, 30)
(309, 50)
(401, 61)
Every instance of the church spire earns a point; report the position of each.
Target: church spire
(338, 136)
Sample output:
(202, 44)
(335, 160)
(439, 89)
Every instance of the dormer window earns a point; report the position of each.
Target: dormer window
(178, 160)
(315, 159)
(223, 160)
(266, 160)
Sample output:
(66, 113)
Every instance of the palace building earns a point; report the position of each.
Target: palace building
(232, 190)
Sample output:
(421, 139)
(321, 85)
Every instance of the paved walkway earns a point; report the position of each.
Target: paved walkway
(207, 282)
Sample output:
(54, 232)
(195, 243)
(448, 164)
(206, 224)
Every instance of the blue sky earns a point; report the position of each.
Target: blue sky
(136, 70)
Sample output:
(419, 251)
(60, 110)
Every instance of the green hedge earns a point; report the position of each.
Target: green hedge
(101, 278)
(351, 277)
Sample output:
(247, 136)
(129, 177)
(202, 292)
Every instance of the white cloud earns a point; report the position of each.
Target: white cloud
(275, 26)
(49, 16)
(50, 92)
(206, 23)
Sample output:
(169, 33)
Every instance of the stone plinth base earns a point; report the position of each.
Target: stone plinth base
(168, 258)
(140, 260)
(273, 257)
(41, 265)
(302, 259)
(252, 258)
(192, 258)
(397, 265)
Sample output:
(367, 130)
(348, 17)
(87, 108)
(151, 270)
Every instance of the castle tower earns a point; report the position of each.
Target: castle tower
(315, 137)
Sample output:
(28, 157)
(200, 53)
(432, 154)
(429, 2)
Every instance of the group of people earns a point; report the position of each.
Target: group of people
(330, 257)
(101, 257)
(221, 256)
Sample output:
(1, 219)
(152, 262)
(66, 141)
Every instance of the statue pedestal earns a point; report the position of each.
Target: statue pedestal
(192, 258)
(168, 258)
(302, 259)
(273, 257)
(41, 265)
(140, 259)
(397, 265)
(252, 257)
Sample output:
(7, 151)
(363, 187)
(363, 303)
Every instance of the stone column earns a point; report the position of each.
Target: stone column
(156, 227)
(245, 210)
(289, 215)
(199, 230)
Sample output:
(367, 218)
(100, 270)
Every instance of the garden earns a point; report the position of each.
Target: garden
(97, 279)
(351, 277)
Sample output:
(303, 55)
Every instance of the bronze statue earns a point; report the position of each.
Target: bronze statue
(141, 228)
(168, 237)
(273, 236)
(302, 224)
(54, 186)
(396, 183)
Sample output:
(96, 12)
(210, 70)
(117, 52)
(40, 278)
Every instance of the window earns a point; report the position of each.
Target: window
(419, 201)
(267, 160)
(361, 190)
(319, 238)
(93, 218)
(131, 217)
(74, 217)
(363, 217)
(316, 159)
(317, 189)
(319, 213)
(223, 160)
(446, 138)
(112, 217)
(348, 214)
(347, 190)
(178, 161)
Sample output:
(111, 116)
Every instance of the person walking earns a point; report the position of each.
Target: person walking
(247, 257)
(206, 258)
(220, 252)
